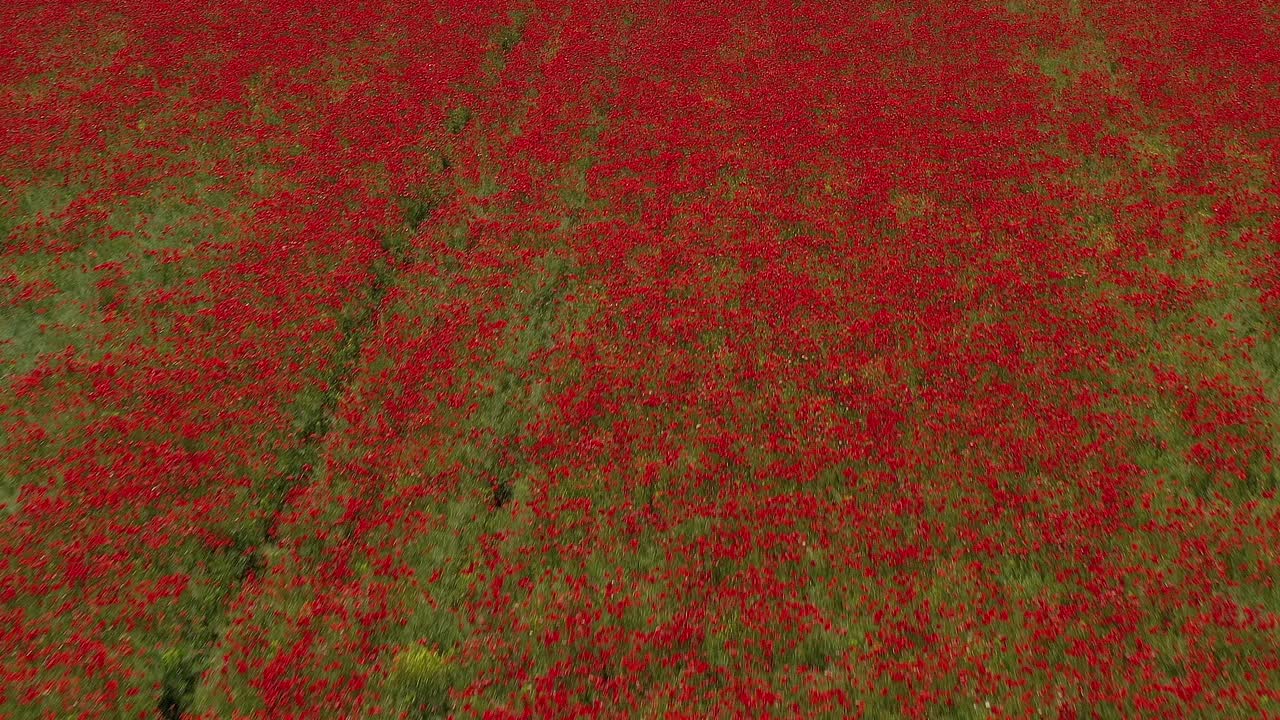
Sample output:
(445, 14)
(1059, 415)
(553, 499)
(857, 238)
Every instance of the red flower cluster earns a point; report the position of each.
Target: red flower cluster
(627, 359)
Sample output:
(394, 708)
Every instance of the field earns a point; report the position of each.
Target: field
(537, 358)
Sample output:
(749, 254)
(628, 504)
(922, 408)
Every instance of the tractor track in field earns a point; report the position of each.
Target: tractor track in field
(183, 669)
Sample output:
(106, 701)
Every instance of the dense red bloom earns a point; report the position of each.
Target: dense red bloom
(592, 358)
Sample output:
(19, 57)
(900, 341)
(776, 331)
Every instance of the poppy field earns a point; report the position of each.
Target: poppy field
(680, 359)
